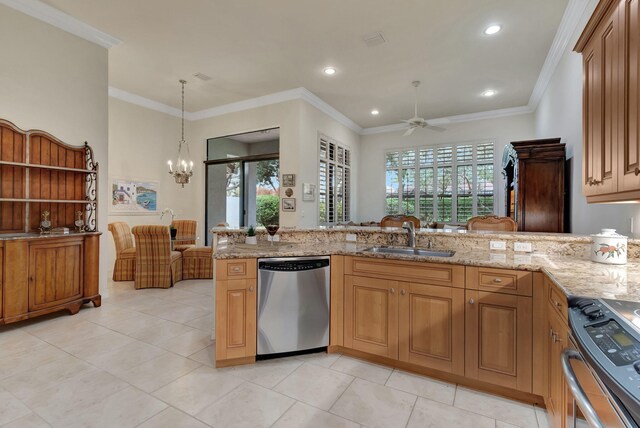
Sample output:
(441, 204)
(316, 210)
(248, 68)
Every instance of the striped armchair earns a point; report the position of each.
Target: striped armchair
(185, 228)
(124, 267)
(156, 265)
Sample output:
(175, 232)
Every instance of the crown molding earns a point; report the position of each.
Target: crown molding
(483, 115)
(248, 104)
(321, 105)
(570, 20)
(57, 18)
(146, 102)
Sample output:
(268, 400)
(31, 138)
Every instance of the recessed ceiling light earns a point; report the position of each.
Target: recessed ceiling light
(375, 112)
(489, 93)
(329, 71)
(492, 29)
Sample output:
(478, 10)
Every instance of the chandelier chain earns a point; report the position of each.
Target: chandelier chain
(182, 135)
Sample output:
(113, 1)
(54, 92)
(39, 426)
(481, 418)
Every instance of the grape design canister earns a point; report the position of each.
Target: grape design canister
(609, 247)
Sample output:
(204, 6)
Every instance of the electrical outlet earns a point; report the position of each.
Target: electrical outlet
(498, 258)
(522, 259)
(351, 237)
(497, 245)
(522, 246)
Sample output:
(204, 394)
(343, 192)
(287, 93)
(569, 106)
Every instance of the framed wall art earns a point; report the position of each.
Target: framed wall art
(288, 180)
(288, 204)
(134, 197)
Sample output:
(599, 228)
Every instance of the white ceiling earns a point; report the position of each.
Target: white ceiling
(252, 48)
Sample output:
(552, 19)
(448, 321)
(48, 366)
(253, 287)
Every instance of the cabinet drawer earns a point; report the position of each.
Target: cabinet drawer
(236, 269)
(400, 270)
(500, 280)
(557, 300)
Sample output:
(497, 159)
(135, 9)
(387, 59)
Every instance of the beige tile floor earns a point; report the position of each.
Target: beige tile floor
(145, 358)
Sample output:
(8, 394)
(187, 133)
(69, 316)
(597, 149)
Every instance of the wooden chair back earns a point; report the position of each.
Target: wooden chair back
(492, 222)
(397, 220)
(122, 237)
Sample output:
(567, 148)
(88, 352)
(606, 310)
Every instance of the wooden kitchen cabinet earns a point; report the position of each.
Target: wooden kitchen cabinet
(236, 324)
(499, 339)
(557, 341)
(610, 47)
(371, 315)
(431, 326)
(55, 272)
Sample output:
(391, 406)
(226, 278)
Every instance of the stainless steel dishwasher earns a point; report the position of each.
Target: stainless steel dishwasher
(293, 304)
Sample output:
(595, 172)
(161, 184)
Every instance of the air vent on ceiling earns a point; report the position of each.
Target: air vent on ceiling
(374, 39)
(203, 77)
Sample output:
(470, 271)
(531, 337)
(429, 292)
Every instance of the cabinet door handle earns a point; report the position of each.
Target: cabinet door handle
(392, 290)
(593, 182)
(236, 269)
(497, 280)
(251, 289)
(556, 303)
(403, 292)
(471, 301)
(636, 171)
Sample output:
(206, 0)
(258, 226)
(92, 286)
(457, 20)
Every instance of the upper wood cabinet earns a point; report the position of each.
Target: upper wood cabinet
(610, 47)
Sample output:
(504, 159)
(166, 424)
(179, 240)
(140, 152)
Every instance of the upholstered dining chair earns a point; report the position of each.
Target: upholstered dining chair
(493, 223)
(125, 265)
(185, 228)
(397, 220)
(156, 265)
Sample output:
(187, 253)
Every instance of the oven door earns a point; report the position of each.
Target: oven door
(588, 403)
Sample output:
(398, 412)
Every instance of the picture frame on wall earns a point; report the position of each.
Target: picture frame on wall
(289, 204)
(308, 192)
(139, 197)
(288, 180)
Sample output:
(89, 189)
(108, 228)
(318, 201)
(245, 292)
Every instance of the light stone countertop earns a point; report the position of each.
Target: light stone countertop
(575, 275)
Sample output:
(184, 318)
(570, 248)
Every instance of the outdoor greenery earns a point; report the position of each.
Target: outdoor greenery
(267, 209)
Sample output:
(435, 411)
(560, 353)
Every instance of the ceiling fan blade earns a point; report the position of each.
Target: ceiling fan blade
(409, 131)
(436, 128)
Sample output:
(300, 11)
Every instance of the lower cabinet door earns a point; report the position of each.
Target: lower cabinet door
(235, 319)
(431, 326)
(557, 340)
(371, 315)
(55, 273)
(499, 339)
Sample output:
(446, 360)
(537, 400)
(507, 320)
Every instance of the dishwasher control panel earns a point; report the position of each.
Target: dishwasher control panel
(292, 266)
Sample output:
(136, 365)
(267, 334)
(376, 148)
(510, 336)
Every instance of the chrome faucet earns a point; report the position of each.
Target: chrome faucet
(411, 233)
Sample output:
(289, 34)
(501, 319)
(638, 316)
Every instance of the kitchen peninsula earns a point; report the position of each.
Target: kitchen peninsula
(476, 318)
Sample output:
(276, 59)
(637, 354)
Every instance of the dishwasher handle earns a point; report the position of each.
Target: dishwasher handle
(577, 391)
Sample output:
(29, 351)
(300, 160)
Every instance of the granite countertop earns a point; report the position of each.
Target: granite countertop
(576, 276)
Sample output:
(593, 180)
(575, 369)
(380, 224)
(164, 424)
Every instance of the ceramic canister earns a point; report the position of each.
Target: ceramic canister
(609, 247)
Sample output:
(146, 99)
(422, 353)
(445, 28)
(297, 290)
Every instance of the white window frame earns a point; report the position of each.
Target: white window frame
(454, 177)
(347, 178)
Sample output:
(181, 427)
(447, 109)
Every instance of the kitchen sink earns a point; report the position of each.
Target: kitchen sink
(411, 251)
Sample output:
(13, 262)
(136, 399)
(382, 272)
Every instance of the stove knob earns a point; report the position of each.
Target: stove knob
(636, 366)
(592, 312)
(581, 304)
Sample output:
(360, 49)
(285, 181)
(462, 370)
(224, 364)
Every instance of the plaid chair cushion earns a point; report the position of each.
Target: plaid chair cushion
(124, 267)
(181, 248)
(197, 262)
(185, 228)
(156, 265)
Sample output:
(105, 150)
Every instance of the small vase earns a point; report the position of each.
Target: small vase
(174, 232)
(252, 240)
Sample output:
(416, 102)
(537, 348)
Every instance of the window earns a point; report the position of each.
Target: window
(447, 184)
(334, 189)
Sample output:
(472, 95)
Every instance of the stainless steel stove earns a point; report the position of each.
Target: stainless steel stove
(606, 335)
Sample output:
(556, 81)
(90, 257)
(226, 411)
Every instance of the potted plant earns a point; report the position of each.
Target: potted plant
(172, 229)
(251, 236)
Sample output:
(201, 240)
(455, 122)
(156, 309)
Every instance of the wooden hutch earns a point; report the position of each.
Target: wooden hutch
(46, 272)
(536, 193)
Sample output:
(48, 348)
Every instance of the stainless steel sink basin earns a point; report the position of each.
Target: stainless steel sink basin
(411, 251)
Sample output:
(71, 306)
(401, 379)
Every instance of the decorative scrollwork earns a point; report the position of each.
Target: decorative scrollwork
(91, 223)
(91, 164)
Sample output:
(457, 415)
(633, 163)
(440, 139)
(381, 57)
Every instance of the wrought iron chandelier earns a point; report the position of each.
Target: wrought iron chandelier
(184, 166)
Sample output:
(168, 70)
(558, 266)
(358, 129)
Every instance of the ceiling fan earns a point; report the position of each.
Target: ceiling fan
(418, 122)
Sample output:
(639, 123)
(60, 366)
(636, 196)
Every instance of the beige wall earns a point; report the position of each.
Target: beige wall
(299, 123)
(57, 82)
(141, 141)
(371, 187)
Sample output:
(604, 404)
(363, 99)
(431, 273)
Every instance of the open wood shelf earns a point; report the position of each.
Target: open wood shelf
(50, 167)
(52, 201)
